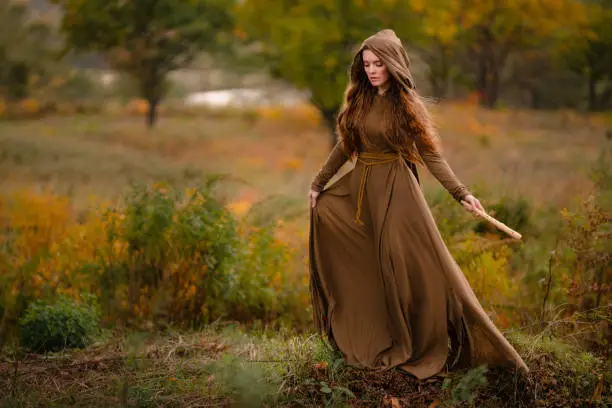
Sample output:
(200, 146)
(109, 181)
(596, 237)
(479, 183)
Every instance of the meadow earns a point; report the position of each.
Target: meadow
(97, 204)
(510, 152)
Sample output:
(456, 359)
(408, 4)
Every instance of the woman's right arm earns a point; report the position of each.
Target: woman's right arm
(336, 158)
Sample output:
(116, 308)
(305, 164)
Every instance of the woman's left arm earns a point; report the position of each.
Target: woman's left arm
(438, 166)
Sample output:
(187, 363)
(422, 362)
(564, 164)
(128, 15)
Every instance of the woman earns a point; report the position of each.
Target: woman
(385, 289)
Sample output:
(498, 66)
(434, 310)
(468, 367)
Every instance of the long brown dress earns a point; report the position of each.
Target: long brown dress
(385, 290)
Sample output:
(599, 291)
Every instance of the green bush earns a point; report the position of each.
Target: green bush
(514, 212)
(451, 218)
(65, 324)
(183, 257)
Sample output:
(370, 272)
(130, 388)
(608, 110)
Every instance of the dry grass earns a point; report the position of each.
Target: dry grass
(542, 156)
(225, 366)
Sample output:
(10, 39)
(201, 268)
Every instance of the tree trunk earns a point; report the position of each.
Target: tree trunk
(606, 98)
(152, 112)
(17, 86)
(592, 91)
(481, 78)
(535, 98)
(3, 328)
(329, 118)
(438, 79)
(492, 91)
(439, 72)
(151, 82)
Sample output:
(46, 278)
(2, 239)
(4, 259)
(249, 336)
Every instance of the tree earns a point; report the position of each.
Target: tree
(481, 36)
(435, 33)
(147, 39)
(26, 49)
(494, 29)
(310, 43)
(591, 56)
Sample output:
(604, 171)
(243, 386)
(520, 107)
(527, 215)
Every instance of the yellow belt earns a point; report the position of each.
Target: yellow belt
(369, 159)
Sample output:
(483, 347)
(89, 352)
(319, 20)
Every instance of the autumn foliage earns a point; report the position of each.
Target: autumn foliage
(164, 256)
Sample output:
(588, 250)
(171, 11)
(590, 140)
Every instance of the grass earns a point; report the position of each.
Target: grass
(226, 365)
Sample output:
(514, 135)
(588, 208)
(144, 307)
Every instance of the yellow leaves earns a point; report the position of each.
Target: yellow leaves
(30, 105)
(44, 224)
(444, 20)
(239, 207)
(486, 268)
(79, 255)
(161, 187)
(439, 21)
(277, 281)
(418, 5)
(330, 62)
(566, 214)
(446, 34)
(191, 292)
(389, 3)
(40, 220)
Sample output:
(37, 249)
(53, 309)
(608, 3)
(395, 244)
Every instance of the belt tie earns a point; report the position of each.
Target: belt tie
(369, 159)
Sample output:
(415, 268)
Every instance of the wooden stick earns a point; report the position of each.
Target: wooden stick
(500, 225)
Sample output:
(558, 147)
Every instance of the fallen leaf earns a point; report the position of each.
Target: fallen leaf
(320, 365)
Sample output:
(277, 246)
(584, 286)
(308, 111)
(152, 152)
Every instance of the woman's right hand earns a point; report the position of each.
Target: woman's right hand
(312, 197)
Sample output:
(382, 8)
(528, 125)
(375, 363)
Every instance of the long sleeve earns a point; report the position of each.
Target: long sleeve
(438, 166)
(336, 158)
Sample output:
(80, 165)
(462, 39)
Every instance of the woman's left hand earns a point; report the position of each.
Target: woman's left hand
(471, 203)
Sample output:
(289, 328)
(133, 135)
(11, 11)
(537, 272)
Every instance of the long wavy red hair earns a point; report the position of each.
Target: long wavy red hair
(405, 114)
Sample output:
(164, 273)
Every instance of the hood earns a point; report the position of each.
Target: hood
(388, 47)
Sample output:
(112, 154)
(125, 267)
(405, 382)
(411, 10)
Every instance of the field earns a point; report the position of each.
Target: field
(505, 152)
(542, 158)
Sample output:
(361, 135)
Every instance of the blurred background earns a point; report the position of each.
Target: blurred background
(155, 160)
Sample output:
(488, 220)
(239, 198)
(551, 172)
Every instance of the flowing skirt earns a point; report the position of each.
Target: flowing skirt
(386, 291)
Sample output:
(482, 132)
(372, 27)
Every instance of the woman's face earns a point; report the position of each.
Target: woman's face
(375, 69)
